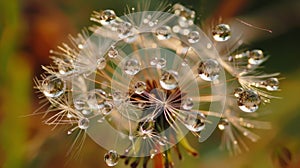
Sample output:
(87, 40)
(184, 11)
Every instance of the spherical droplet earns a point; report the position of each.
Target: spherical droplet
(153, 61)
(101, 63)
(193, 37)
(209, 70)
(187, 104)
(53, 86)
(223, 123)
(107, 16)
(272, 84)
(140, 87)
(132, 66)
(124, 29)
(169, 80)
(249, 101)
(161, 63)
(96, 98)
(83, 123)
(112, 53)
(221, 32)
(238, 91)
(111, 158)
(195, 121)
(163, 33)
(107, 109)
(256, 57)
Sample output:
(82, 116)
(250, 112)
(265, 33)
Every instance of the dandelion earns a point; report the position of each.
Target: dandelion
(146, 79)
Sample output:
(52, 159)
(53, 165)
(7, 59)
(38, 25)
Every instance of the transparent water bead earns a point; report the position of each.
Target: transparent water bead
(107, 17)
(209, 70)
(53, 86)
(223, 123)
(107, 109)
(272, 84)
(140, 87)
(83, 123)
(169, 80)
(187, 104)
(112, 53)
(256, 57)
(249, 101)
(132, 66)
(195, 121)
(163, 33)
(221, 32)
(161, 63)
(193, 37)
(101, 63)
(124, 29)
(111, 158)
(96, 98)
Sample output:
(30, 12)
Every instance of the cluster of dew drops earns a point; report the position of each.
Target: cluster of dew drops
(248, 100)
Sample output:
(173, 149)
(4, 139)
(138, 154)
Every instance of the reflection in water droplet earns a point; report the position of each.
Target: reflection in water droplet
(111, 158)
(193, 37)
(107, 109)
(163, 33)
(140, 87)
(53, 86)
(238, 91)
(112, 53)
(169, 80)
(101, 63)
(132, 66)
(209, 70)
(96, 98)
(249, 101)
(272, 84)
(195, 121)
(187, 104)
(223, 123)
(83, 123)
(256, 57)
(107, 16)
(221, 32)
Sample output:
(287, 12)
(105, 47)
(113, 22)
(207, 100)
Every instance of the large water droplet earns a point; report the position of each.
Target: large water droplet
(256, 57)
(96, 98)
(140, 87)
(249, 101)
(111, 158)
(221, 32)
(209, 70)
(272, 84)
(101, 63)
(169, 80)
(163, 33)
(83, 123)
(132, 66)
(53, 86)
(195, 121)
(112, 53)
(193, 37)
(107, 17)
(187, 104)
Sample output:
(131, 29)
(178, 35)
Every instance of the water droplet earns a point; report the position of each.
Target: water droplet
(140, 87)
(107, 17)
(184, 12)
(107, 109)
(193, 37)
(169, 80)
(195, 121)
(132, 66)
(187, 104)
(209, 70)
(272, 84)
(221, 32)
(161, 63)
(79, 103)
(101, 63)
(223, 123)
(96, 98)
(163, 33)
(53, 86)
(184, 22)
(176, 29)
(83, 123)
(112, 53)
(111, 158)
(124, 29)
(256, 57)
(249, 101)
(153, 61)
(238, 91)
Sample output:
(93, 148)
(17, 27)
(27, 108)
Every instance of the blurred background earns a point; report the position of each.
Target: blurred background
(30, 28)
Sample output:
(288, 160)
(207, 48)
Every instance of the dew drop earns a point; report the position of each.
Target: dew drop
(193, 37)
(101, 63)
(238, 91)
(163, 33)
(249, 101)
(112, 53)
(221, 32)
(140, 87)
(53, 86)
(132, 66)
(161, 63)
(187, 104)
(107, 17)
(256, 57)
(111, 158)
(195, 121)
(83, 123)
(169, 80)
(209, 70)
(272, 84)
(124, 29)
(107, 109)
(153, 61)
(96, 98)
(223, 123)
